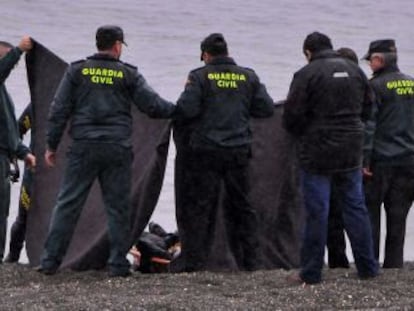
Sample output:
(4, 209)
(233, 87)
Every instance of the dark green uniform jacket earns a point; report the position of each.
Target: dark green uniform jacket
(218, 101)
(97, 93)
(10, 143)
(389, 135)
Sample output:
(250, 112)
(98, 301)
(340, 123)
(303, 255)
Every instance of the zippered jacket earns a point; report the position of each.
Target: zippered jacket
(328, 101)
(389, 135)
(97, 95)
(218, 101)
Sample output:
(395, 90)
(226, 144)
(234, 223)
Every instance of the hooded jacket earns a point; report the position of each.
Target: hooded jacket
(328, 101)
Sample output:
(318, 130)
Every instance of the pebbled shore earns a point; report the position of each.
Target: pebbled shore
(25, 289)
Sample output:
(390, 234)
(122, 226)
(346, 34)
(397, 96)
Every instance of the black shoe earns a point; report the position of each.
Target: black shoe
(370, 276)
(46, 271)
(121, 273)
(11, 258)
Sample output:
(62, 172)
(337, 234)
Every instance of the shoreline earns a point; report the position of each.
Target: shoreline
(25, 289)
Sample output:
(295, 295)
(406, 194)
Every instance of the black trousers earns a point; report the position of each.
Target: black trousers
(392, 186)
(204, 176)
(18, 229)
(111, 165)
(336, 243)
(4, 200)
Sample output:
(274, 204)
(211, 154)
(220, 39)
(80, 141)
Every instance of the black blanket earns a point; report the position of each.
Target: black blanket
(273, 180)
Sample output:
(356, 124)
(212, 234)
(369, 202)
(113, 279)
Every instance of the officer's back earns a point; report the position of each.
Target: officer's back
(220, 98)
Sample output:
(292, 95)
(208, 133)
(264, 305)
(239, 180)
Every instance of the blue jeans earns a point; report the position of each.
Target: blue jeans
(316, 196)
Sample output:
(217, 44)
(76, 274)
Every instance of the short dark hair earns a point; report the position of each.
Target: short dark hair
(215, 45)
(107, 35)
(316, 41)
(348, 54)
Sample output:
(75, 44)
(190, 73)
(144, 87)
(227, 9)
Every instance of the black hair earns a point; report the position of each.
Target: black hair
(348, 54)
(316, 41)
(215, 45)
(104, 45)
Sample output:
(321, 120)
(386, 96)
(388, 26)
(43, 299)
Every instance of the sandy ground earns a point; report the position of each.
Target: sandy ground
(22, 288)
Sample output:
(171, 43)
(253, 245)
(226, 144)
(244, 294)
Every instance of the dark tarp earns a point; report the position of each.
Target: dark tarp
(274, 194)
(274, 185)
(89, 246)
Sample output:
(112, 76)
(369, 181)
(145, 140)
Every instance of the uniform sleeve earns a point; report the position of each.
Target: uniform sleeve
(369, 99)
(262, 105)
(22, 150)
(370, 128)
(25, 121)
(190, 101)
(295, 115)
(148, 101)
(7, 63)
(60, 111)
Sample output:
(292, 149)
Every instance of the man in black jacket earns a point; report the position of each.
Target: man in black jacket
(336, 243)
(214, 111)
(389, 150)
(327, 101)
(10, 144)
(96, 94)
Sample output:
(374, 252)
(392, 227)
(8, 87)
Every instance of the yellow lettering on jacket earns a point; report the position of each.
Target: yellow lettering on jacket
(401, 87)
(25, 198)
(102, 75)
(226, 80)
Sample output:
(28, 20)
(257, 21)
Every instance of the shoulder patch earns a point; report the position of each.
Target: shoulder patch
(197, 69)
(130, 66)
(78, 61)
(248, 69)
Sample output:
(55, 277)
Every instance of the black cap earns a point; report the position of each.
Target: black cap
(214, 44)
(381, 46)
(107, 35)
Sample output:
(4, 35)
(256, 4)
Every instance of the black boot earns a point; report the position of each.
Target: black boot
(11, 258)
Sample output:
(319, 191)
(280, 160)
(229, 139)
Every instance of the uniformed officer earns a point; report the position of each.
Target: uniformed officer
(10, 144)
(18, 229)
(213, 117)
(389, 150)
(96, 94)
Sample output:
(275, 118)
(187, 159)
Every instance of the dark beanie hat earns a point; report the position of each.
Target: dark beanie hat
(316, 41)
(214, 44)
(380, 46)
(107, 35)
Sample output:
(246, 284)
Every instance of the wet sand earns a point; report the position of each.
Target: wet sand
(25, 289)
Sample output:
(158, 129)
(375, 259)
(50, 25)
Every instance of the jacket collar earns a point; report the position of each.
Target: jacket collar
(386, 69)
(221, 60)
(102, 56)
(328, 53)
